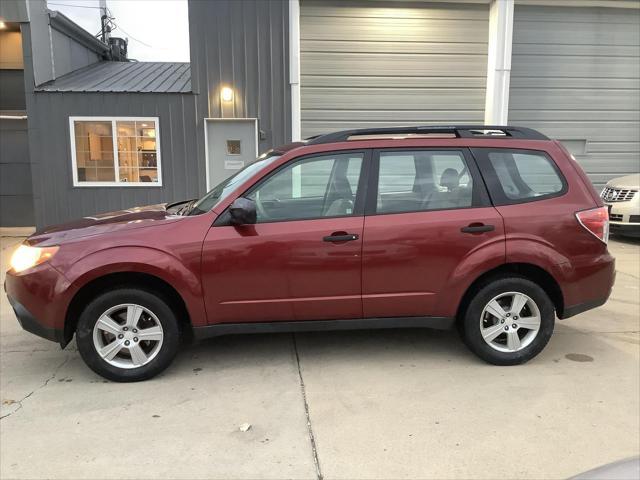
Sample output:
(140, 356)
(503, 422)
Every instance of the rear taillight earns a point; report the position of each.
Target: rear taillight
(596, 222)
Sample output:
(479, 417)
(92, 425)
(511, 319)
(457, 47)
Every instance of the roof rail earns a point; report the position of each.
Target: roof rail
(460, 131)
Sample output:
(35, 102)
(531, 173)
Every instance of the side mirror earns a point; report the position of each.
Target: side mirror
(243, 212)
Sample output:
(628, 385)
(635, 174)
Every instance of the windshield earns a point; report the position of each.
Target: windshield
(224, 188)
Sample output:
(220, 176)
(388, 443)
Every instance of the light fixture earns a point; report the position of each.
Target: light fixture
(226, 94)
(3, 25)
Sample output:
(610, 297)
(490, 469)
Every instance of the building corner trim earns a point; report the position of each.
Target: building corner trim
(294, 68)
(499, 62)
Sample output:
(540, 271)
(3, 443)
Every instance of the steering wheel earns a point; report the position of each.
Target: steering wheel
(262, 213)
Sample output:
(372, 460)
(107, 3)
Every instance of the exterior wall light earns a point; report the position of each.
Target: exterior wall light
(226, 94)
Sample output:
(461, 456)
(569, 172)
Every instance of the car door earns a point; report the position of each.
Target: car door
(428, 225)
(301, 260)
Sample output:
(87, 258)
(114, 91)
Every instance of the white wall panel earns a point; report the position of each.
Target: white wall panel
(367, 63)
(576, 77)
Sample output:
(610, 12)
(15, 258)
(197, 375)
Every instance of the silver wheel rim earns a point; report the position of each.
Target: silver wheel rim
(128, 336)
(510, 322)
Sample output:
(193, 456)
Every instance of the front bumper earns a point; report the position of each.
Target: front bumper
(624, 217)
(40, 298)
(32, 325)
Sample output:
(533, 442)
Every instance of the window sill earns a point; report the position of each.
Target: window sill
(114, 184)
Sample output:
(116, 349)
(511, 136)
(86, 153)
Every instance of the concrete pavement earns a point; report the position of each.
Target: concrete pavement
(380, 404)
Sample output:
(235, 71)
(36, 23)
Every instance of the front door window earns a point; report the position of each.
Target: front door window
(316, 187)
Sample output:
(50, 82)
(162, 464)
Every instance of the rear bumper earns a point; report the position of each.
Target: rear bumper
(32, 325)
(587, 283)
(582, 307)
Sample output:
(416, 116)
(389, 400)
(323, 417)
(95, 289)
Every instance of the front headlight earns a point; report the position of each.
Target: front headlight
(27, 257)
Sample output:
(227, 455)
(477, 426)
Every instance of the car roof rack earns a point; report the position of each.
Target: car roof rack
(426, 131)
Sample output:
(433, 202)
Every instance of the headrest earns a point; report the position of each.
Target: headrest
(450, 179)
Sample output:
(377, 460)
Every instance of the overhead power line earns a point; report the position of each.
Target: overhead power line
(131, 36)
(71, 5)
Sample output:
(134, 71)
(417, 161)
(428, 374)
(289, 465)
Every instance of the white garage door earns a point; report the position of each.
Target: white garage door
(576, 77)
(373, 63)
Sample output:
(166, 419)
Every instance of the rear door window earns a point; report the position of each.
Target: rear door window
(423, 180)
(519, 176)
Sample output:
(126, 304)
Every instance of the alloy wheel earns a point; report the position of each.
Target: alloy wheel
(128, 336)
(510, 322)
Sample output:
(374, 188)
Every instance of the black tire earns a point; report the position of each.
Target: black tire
(470, 328)
(123, 295)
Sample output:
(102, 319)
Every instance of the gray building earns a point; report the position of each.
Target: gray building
(105, 135)
(16, 192)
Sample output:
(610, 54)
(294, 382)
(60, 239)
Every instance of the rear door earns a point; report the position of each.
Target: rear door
(428, 216)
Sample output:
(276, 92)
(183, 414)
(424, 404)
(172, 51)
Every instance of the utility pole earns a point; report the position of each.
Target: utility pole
(104, 22)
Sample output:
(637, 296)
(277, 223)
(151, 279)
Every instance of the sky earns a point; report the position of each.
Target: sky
(158, 30)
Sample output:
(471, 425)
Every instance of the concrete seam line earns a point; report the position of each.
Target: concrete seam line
(46, 382)
(303, 389)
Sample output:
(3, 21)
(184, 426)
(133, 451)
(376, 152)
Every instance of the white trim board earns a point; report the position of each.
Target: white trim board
(116, 164)
(496, 108)
(206, 142)
(294, 69)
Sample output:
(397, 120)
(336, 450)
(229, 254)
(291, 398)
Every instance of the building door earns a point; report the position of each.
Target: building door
(230, 145)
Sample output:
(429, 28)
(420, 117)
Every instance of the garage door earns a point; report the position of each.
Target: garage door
(576, 77)
(367, 64)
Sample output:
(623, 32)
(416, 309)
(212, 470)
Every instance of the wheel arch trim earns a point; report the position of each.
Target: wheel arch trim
(532, 272)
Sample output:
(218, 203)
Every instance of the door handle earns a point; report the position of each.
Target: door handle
(341, 237)
(477, 228)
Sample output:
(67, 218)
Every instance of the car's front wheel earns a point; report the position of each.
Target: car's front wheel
(508, 321)
(128, 334)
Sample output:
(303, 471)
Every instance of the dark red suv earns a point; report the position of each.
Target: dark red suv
(495, 229)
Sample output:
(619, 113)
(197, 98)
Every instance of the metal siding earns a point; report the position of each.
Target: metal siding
(243, 44)
(16, 198)
(370, 63)
(56, 200)
(69, 55)
(576, 77)
(12, 90)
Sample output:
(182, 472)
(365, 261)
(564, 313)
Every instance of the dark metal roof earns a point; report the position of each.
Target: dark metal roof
(143, 77)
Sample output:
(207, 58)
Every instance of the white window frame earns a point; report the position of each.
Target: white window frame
(116, 162)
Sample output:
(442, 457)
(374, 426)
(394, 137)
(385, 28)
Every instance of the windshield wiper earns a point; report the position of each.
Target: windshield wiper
(184, 210)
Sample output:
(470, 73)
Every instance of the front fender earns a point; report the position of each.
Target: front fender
(182, 276)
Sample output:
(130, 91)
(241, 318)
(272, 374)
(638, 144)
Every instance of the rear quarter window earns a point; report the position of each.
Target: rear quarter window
(519, 176)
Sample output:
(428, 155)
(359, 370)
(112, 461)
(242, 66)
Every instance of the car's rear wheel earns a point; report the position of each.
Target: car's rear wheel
(128, 335)
(508, 321)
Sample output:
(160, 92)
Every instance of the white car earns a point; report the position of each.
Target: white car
(623, 200)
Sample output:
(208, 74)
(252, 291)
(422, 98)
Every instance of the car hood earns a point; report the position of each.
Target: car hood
(628, 181)
(136, 217)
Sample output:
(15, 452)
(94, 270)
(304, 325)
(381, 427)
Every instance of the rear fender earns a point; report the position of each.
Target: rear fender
(478, 261)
